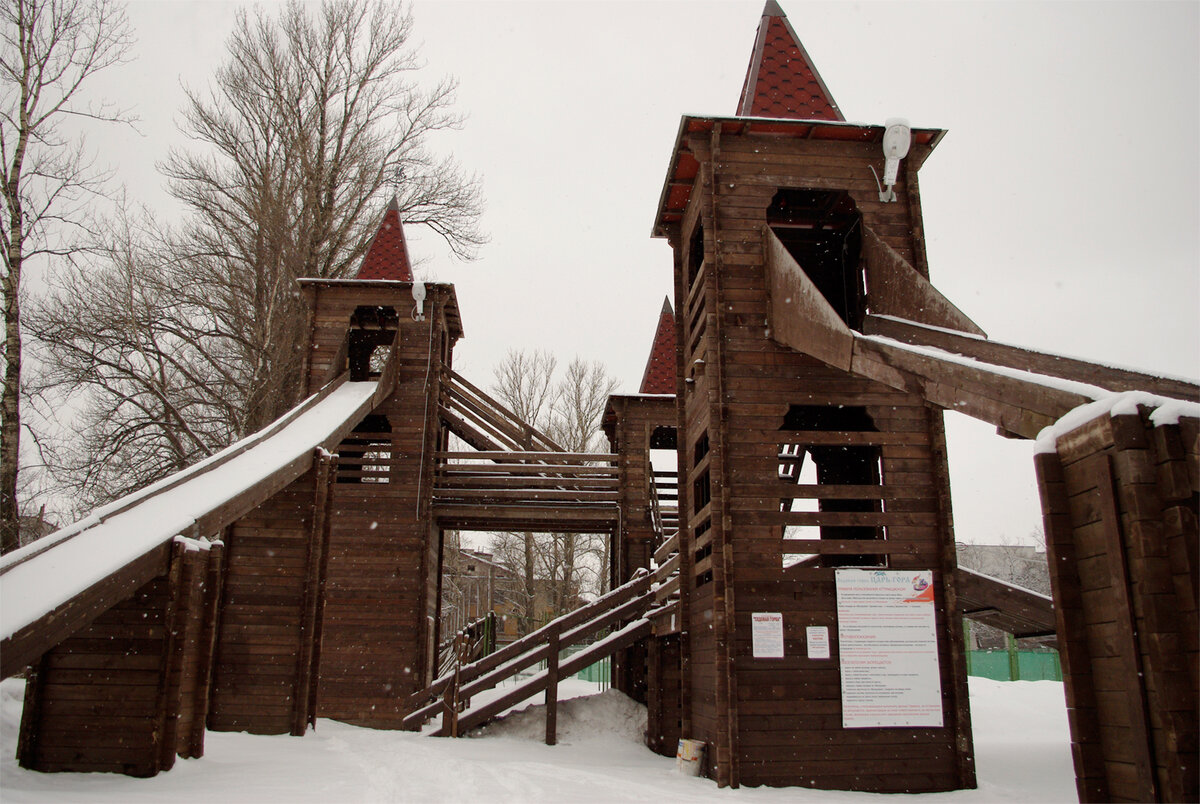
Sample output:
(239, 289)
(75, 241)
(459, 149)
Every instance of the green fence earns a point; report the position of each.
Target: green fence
(597, 673)
(1022, 665)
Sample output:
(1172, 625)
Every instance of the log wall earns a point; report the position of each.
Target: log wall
(1119, 503)
(129, 691)
(264, 657)
(779, 721)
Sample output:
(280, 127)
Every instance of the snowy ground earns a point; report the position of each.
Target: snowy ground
(1021, 742)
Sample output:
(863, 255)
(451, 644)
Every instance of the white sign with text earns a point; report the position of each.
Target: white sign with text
(887, 646)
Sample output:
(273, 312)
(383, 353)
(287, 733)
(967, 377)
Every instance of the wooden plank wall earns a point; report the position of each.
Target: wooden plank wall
(1119, 504)
(779, 721)
(381, 600)
(264, 650)
(664, 711)
(129, 691)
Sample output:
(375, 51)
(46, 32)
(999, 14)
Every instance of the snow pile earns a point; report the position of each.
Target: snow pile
(609, 715)
(1022, 754)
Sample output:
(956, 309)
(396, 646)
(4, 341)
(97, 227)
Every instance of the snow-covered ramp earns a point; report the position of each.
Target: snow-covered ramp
(53, 587)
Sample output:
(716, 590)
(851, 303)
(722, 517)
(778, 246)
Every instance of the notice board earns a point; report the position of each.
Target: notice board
(887, 642)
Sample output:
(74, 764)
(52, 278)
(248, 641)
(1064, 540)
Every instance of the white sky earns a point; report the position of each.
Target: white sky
(1062, 210)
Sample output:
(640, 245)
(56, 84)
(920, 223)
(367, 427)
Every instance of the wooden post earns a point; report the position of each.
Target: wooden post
(303, 698)
(1129, 663)
(552, 688)
(31, 714)
(167, 706)
(969, 646)
(214, 578)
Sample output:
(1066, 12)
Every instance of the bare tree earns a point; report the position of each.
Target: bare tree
(312, 121)
(556, 566)
(51, 49)
(524, 382)
(575, 561)
(143, 360)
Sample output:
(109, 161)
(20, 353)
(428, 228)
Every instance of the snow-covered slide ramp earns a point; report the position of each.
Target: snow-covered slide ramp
(57, 585)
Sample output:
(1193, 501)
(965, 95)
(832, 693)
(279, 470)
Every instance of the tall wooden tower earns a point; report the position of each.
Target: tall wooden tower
(381, 591)
(798, 480)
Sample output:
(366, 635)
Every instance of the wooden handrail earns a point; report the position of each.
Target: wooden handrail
(623, 602)
(528, 432)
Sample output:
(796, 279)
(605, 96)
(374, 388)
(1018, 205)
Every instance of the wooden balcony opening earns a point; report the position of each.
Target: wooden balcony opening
(822, 230)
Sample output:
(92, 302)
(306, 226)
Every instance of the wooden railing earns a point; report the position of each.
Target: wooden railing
(664, 502)
(484, 423)
(473, 642)
(540, 491)
(621, 611)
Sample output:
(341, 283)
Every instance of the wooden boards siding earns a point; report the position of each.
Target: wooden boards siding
(124, 694)
(1119, 509)
(261, 636)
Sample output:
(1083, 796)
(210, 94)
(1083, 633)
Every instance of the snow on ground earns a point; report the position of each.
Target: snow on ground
(1021, 742)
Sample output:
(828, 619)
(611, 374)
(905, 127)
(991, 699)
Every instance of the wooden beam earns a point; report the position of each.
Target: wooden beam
(798, 316)
(1020, 405)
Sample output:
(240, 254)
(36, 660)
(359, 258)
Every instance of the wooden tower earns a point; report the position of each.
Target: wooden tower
(636, 425)
(381, 589)
(792, 470)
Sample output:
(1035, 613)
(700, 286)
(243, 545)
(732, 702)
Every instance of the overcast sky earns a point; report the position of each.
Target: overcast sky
(1062, 210)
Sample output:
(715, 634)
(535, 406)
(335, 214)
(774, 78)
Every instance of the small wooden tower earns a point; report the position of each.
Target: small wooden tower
(798, 479)
(636, 425)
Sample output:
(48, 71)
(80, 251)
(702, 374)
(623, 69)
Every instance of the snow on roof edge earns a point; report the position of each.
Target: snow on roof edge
(1167, 411)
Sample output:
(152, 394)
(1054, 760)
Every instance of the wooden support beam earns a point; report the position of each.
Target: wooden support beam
(214, 578)
(897, 288)
(552, 688)
(1019, 405)
(304, 711)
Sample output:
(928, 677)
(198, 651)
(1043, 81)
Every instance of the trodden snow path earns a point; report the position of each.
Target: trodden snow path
(1021, 741)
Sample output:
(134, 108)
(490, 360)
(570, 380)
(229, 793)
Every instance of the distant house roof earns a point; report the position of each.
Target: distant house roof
(659, 376)
(387, 257)
(781, 81)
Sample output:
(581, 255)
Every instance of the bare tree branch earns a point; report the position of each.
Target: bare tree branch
(50, 49)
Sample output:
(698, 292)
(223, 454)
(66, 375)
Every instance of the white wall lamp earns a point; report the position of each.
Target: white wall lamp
(897, 137)
(418, 292)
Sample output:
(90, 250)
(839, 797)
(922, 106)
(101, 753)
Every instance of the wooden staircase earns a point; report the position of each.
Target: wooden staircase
(623, 613)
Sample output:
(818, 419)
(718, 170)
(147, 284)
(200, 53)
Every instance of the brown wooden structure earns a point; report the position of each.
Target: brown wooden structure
(809, 360)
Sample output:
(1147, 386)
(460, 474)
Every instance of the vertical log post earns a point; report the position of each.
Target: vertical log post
(552, 687)
(167, 706)
(303, 698)
(214, 577)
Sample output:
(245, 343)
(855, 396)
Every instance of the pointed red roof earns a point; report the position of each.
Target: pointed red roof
(387, 256)
(781, 80)
(659, 376)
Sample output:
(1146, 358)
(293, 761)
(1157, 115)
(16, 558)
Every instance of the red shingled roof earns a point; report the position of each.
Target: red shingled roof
(659, 377)
(781, 80)
(387, 257)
